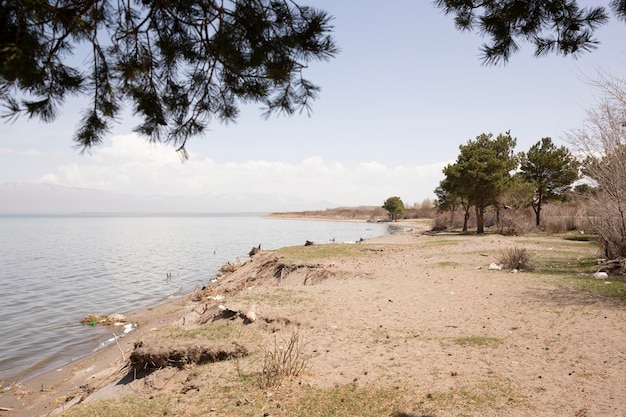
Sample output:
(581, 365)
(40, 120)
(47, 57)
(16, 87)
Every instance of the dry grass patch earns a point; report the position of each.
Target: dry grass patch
(191, 335)
(478, 341)
(280, 297)
(485, 398)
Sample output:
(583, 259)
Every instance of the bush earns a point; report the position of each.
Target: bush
(559, 218)
(283, 361)
(516, 258)
(516, 222)
(440, 222)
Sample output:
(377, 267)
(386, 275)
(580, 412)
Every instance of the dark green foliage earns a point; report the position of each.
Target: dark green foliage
(481, 172)
(449, 197)
(178, 63)
(553, 26)
(394, 206)
(550, 170)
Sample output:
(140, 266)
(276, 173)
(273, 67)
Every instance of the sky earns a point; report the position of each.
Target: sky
(404, 92)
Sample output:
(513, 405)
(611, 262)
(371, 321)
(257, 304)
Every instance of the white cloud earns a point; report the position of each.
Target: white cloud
(49, 179)
(129, 164)
(24, 152)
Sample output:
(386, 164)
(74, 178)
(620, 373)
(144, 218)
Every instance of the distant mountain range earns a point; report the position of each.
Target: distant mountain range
(35, 198)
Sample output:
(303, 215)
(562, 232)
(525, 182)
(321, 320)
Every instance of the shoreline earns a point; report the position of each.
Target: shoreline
(54, 389)
(92, 346)
(48, 391)
(36, 338)
(419, 317)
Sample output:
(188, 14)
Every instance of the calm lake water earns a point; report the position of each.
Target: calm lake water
(54, 270)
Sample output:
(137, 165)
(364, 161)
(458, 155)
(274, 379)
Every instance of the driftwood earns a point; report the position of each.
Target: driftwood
(254, 251)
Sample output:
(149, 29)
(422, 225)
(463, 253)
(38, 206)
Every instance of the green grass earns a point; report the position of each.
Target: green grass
(613, 287)
(442, 241)
(580, 238)
(277, 298)
(213, 333)
(317, 252)
(347, 401)
(447, 264)
(124, 406)
(562, 263)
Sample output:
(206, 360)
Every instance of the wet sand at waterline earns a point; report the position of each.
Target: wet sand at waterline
(421, 314)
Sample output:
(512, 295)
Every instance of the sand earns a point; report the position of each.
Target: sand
(417, 312)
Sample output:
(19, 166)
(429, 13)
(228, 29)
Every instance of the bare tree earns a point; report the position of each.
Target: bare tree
(602, 143)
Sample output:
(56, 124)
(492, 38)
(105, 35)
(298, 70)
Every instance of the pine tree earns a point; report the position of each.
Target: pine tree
(178, 64)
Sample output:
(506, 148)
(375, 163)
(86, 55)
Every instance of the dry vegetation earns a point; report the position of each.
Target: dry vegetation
(424, 210)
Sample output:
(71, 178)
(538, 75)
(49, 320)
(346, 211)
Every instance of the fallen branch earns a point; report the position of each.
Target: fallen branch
(119, 347)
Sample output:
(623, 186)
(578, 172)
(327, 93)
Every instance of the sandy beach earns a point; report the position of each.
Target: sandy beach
(415, 323)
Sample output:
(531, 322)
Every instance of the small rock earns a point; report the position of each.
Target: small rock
(495, 267)
(600, 275)
(251, 316)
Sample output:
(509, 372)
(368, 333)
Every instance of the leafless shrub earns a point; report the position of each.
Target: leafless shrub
(602, 143)
(451, 220)
(441, 222)
(423, 210)
(516, 258)
(514, 222)
(558, 218)
(606, 219)
(284, 360)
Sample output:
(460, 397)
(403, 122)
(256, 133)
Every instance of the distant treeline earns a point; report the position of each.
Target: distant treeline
(418, 211)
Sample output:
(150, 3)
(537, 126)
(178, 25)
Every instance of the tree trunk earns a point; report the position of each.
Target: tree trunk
(480, 220)
(537, 210)
(498, 208)
(538, 216)
(466, 217)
